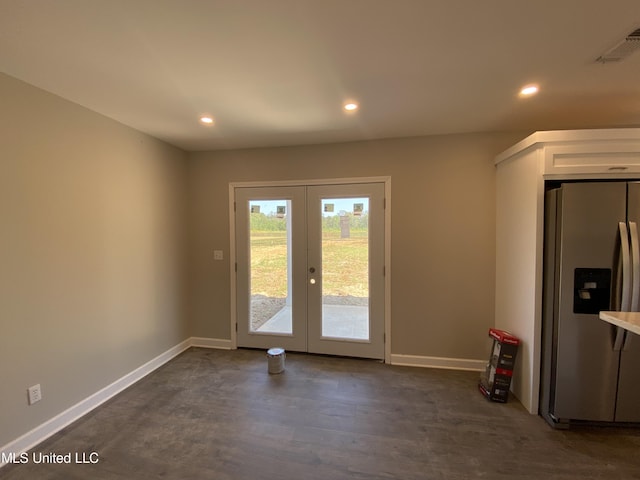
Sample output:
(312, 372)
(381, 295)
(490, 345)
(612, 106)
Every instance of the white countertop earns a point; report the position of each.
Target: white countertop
(628, 320)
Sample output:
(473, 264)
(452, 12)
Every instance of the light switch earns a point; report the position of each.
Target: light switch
(217, 255)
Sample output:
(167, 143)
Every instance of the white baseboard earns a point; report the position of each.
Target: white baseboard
(57, 423)
(205, 342)
(438, 362)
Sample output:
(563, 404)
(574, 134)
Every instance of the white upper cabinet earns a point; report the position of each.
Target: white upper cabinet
(582, 153)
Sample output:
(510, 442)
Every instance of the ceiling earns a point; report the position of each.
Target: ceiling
(277, 72)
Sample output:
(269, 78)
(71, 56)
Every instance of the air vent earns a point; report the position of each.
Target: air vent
(622, 50)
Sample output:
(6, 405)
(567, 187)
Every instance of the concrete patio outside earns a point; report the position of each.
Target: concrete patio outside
(338, 321)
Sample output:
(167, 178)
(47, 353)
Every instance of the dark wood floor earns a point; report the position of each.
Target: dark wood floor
(212, 414)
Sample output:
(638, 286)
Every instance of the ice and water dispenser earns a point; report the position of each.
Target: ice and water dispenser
(591, 290)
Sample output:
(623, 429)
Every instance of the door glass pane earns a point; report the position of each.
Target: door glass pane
(345, 268)
(270, 264)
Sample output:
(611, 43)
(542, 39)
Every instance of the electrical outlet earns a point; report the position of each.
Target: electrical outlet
(217, 255)
(35, 394)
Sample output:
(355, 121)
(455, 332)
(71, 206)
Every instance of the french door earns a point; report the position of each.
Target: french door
(310, 268)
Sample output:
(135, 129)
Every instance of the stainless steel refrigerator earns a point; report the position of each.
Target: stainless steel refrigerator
(590, 369)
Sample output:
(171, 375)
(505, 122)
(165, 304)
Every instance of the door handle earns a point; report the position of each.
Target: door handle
(312, 270)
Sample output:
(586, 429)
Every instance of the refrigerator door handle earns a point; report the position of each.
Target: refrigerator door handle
(619, 341)
(635, 263)
(630, 298)
(625, 300)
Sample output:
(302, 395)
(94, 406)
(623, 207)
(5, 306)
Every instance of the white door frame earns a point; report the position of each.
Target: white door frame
(295, 183)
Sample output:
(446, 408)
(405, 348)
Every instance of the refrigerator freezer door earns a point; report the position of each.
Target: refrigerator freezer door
(628, 402)
(586, 366)
(550, 306)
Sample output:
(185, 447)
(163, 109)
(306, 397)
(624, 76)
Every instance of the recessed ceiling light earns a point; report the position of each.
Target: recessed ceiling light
(529, 90)
(350, 106)
(206, 119)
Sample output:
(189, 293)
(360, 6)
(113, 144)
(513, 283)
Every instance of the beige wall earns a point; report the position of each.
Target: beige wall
(108, 236)
(91, 252)
(443, 231)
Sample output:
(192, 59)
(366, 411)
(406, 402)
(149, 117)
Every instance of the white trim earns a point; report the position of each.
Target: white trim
(204, 342)
(232, 266)
(387, 270)
(438, 362)
(306, 183)
(57, 423)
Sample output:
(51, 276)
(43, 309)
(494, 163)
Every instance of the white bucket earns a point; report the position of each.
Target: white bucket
(275, 360)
